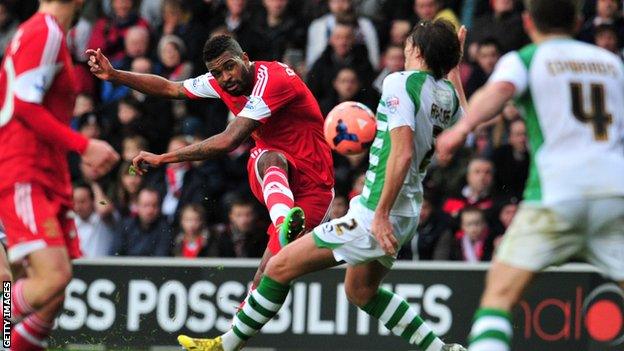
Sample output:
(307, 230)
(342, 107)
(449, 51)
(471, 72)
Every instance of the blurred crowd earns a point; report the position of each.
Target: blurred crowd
(343, 49)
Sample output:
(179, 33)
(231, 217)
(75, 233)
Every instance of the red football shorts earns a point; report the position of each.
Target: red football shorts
(315, 200)
(35, 219)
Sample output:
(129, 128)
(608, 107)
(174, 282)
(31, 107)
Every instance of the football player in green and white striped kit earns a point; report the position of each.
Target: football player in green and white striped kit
(416, 105)
(572, 94)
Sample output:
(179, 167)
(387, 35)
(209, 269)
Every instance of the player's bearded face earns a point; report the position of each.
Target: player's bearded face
(234, 74)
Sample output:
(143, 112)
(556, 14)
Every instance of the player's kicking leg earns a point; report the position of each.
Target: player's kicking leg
(302, 257)
(32, 331)
(263, 303)
(288, 221)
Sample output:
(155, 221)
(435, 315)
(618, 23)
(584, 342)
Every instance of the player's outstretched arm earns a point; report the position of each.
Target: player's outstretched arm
(236, 132)
(454, 75)
(149, 84)
(484, 105)
(397, 166)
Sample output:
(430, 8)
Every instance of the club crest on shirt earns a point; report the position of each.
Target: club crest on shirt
(392, 103)
(51, 228)
(196, 82)
(253, 102)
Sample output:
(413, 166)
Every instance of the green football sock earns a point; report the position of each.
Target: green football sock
(491, 330)
(260, 306)
(397, 315)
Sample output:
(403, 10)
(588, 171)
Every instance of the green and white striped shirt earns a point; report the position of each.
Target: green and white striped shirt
(572, 97)
(427, 106)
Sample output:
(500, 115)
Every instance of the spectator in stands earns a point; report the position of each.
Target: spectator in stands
(89, 125)
(127, 192)
(177, 19)
(512, 163)
(8, 26)
(607, 12)
(442, 181)
(433, 225)
(131, 146)
(151, 11)
(341, 51)
(506, 211)
(429, 10)
(95, 220)
(500, 130)
(238, 21)
(399, 31)
(471, 244)
(477, 191)
(147, 234)
(321, 30)
(606, 37)
(195, 240)
(178, 184)
(130, 121)
(172, 56)
(243, 229)
(108, 33)
(504, 24)
(393, 61)
(159, 110)
(339, 207)
(84, 104)
(488, 53)
(480, 143)
(136, 44)
(278, 30)
(346, 87)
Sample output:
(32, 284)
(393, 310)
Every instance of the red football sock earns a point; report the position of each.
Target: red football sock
(30, 334)
(277, 195)
(20, 308)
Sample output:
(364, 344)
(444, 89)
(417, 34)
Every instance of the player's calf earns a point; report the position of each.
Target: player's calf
(49, 274)
(360, 295)
(492, 328)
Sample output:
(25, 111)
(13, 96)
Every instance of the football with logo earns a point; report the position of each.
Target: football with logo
(350, 128)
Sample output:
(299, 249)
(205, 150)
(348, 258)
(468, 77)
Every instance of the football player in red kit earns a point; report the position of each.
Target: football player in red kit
(290, 169)
(37, 98)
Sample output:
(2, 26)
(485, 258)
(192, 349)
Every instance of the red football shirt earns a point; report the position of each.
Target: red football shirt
(37, 93)
(291, 118)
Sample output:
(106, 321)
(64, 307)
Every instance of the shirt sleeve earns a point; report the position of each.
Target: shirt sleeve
(36, 63)
(511, 69)
(200, 87)
(272, 92)
(396, 104)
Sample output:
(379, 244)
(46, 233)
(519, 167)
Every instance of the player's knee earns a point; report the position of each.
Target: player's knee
(5, 274)
(278, 268)
(360, 295)
(57, 281)
(272, 159)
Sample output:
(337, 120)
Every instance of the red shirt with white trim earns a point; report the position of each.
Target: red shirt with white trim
(37, 94)
(291, 118)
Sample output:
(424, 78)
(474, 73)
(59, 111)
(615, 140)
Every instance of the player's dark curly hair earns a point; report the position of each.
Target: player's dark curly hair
(219, 44)
(554, 16)
(438, 44)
